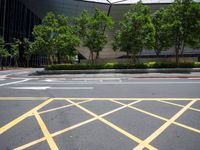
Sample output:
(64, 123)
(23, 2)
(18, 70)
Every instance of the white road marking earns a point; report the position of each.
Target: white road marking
(94, 79)
(55, 88)
(15, 82)
(48, 80)
(108, 83)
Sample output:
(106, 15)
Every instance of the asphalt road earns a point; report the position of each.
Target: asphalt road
(18, 83)
(100, 111)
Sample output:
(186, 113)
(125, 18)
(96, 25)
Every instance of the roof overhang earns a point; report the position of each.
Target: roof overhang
(129, 2)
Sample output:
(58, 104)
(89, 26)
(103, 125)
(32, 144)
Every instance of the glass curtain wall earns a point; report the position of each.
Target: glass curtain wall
(16, 20)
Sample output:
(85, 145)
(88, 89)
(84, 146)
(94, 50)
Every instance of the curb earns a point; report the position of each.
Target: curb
(126, 71)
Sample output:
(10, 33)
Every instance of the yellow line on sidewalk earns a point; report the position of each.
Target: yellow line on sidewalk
(134, 138)
(22, 117)
(45, 131)
(164, 126)
(72, 127)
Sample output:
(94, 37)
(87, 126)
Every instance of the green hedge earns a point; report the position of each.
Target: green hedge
(122, 66)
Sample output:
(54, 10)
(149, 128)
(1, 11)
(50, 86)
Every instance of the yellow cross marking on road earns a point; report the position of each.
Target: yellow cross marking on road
(141, 143)
(164, 126)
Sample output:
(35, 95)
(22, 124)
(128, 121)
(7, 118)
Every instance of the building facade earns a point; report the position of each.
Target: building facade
(18, 17)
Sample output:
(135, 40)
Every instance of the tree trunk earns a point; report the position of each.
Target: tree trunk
(91, 57)
(27, 62)
(97, 55)
(182, 48)
(16, 64)
(1, 63)
(157, 52)
(133, 58)
(58, 56)
(177, 56)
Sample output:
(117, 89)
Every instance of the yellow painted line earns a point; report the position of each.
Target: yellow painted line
(45, 131)
(159, 117)
(195, 109)
(22, 117)
(30, 144)
(72, 127)
(136, 139)
(74, 99)
(61, 107)
(142, 111)
(164, 126)
(134, 98)
(90, 120)
(23, 98)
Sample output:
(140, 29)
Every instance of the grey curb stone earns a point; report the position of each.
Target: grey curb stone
(163, 70)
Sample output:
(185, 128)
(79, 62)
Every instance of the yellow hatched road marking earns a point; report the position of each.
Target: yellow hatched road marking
(30, 144)
(22, 117)
(61, 107)
(74, 99)
(164, 126)
(45, 131)
(159, 117)
(179, 105)
(136, 139)
(145, 99)
(72, 127)
(29, 113)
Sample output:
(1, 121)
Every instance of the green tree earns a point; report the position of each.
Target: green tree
(55, 37)
(15, 51)
(3, 52)
(81, 24)
(162, 36)
(136, 31)
(44, 36)
(183, 24)
(92, 30)
(27, 50)
(65, 39)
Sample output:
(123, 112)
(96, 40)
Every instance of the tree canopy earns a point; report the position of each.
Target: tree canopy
(92, 30)
(162, 36)
(182, 24)
(55, 37)
(136, 31)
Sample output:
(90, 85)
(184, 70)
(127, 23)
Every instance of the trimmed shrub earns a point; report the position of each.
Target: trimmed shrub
(147, 65)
